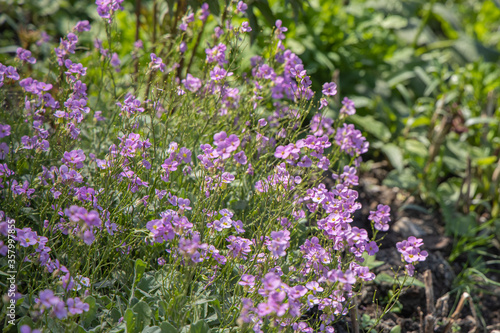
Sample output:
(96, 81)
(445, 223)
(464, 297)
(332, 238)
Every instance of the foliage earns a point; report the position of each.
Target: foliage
(424, 77)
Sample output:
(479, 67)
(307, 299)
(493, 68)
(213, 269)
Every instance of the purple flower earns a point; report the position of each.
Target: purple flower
(27, 329)
(314, 287)
(381, 217)
(347, 107)
(323, 102)
(115, 61)
(247, 280)
(305, 162)
(191, 83)
(279, 243)
(138, 44)
(25, 55)
(9, 72)
(218, 74)
(44, 38)
(26, 237)
(157, 63)
(271, 282)
(184, 204)
(131, 105)
(281, 152)
(88, 237)
(280, 30)
(241, 7)
(410, 269)
(170, 165)
(217, 54)
(245, 27)
(351, 140)
(204, 12)
(106, 8)
(329, 89)
(82, 26)
(184, 155)
(410, 250)
(240, 157)
(59, 309)
(76, 306)
(75, 157)
(47, 298)
(371, 248)
(227, 177)
(183, 47)
(264, 309)
(4, 130)
(238, 247)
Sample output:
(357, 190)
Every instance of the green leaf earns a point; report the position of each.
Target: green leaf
(200, 327)
(386, 278)
(422, 75)
(461, 225)
(129, 319)
(394, 22)
(25, 321)
(395, 155)
(166, 327)
(485, 160)
(371, 262)
(142, 313)
(372, 126)
(266, 11)
(480, 120)
(395, 329)
(152, 329)
(80, 329)
(139, 269)
(405, 179)
(400, 78)
(89, 316)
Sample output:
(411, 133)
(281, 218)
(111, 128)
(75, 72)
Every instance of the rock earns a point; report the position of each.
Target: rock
(406, 228)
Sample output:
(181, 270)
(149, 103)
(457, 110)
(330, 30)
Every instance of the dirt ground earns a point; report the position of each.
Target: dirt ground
(422, 309)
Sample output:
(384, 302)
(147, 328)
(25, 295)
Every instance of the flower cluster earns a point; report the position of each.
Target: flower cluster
(99, 195)
(411, 252)
(381, 217)
(48, 302)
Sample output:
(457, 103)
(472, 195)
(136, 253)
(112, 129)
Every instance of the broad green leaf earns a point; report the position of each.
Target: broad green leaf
(25, 321)
(139, 269)
(265, 10)
(405, 179)
(410, 281)
(372, 126)
(483, 161)
(480, 120)
(394, 22)
(142, 313)
(89, 316)
(423, 75)
(461, 225)
(400, 78)
(166, 327)
(371, 262)
(129, 318)
(394, 155)
(396, 329)
(200, 327)
(420, 121)
(152, 329)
